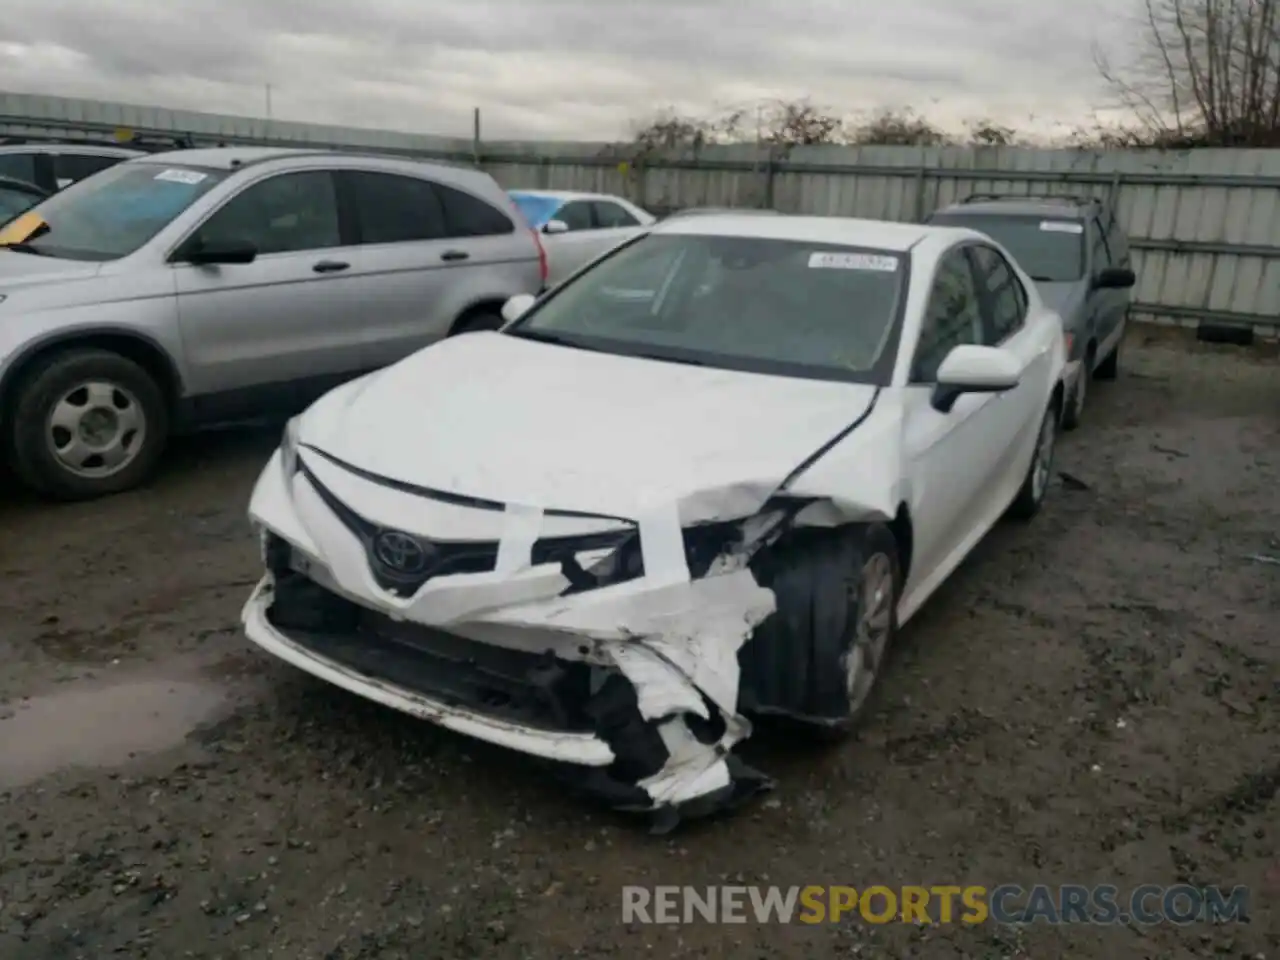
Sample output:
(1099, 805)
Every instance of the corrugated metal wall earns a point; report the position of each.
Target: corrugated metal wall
(1205, 224)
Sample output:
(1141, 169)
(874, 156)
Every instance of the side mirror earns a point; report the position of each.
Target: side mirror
(1115, 278)
(552, 227)
(219, 252)
(517, 307)
(969, 368)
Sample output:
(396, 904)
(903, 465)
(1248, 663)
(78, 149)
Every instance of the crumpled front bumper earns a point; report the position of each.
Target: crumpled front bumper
(664, 747)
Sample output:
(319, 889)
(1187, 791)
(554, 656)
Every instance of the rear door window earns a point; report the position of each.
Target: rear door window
(70, 167)
(395, 209)
(612, 216)
(577, 215)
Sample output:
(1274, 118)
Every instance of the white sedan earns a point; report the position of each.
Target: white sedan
(578, 227)
(708, 478)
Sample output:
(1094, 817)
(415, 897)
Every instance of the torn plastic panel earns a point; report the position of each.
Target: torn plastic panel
(615, 652)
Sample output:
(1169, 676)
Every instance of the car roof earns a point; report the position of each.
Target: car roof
(227, 158)
(707, 211)
(1016, 207)
(563, 195)
(86, 149)
(847, 231)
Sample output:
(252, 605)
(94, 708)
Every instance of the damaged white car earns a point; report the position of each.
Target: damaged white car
(707, 478)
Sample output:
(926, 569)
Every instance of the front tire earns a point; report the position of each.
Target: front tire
(818, 657)
(87, 423)
(1036, 484)
(477, 322)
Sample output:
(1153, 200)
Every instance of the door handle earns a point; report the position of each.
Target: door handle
(330, 266)
(455, 255)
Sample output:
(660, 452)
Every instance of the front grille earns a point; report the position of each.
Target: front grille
(533, 689)
(472, 556)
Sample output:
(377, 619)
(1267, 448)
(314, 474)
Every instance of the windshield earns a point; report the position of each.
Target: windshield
(13, 202)
(537, 210)
(745, 303)
(1050, 251)
(114, 212)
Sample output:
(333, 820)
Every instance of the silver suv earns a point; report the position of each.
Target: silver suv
(52, 166)
(194, 287)
(1078, 254)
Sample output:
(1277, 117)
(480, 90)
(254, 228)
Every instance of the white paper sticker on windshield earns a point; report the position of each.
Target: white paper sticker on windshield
(1061, 226)
(181, 176)
(852, 261)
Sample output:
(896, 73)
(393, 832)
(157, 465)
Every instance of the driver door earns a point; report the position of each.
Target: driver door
(949, 456)
(282, 329)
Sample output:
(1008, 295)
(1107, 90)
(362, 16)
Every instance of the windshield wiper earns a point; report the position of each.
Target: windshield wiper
(26, 248)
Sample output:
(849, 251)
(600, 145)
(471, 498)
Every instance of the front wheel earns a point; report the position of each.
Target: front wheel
(818, 657)
(87, 423)
(1036, 483)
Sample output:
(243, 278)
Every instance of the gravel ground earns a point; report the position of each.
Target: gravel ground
(1092, 698)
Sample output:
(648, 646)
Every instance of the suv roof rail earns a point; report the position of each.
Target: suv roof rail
(1080, 198)
(150, 143)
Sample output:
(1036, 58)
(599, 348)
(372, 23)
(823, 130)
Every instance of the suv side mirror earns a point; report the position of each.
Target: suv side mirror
(1115, 278)
(204, 254)
(970, 368)
(552, 227)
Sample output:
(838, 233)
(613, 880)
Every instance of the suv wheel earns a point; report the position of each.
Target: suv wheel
(87, 423)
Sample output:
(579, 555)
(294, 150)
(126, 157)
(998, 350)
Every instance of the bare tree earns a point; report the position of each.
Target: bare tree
(903, 128)
(1205, 72)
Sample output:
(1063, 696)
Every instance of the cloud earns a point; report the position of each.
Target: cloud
(568, 69)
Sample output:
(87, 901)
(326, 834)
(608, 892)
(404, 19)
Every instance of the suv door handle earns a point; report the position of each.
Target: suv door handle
(330, 266)
(455, 255)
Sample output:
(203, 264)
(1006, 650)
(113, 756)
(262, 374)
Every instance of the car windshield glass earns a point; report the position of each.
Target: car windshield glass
(13, 202)
(745, 303)
(114, 212)
(1050, 250)
(537, 210)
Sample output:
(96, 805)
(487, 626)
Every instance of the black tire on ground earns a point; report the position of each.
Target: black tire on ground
(1030, 495)
(798, 656)
(43, 387)
(1110, 365)
(478, 321)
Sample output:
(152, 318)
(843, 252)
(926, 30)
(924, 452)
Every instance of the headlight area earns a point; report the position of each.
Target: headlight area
(710, 548)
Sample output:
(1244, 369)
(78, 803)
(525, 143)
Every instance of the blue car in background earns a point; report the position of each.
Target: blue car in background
(577, 228)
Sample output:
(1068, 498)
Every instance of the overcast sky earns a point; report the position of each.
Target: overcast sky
(564, 69)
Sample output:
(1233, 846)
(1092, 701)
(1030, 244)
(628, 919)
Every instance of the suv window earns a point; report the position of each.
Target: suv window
(14, 202)
(468, 216)
(283, 214)
(952, 317)
(396, 209)
(611, 215)
(77, 166)
(1005, 303)
(21, 166)
(1049, 250)
(577, 215)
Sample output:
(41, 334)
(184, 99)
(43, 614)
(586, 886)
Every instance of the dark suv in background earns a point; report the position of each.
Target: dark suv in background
(52, 166)
(1075, 250)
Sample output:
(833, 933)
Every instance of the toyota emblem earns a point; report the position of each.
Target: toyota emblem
(401, 553)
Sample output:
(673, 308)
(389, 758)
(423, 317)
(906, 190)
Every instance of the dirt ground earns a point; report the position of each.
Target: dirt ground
(1091, 699)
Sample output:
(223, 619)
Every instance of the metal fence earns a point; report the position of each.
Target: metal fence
(1205, 224)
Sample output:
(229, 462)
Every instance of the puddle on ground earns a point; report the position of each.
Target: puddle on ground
(96, 724)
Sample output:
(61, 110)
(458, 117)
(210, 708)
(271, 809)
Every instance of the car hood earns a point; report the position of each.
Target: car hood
(26, 270)
(494, 417)
(1065, 299)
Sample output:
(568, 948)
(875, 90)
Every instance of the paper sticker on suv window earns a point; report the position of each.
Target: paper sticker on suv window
(188, 177)
(1061, 226)
(852, 261)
